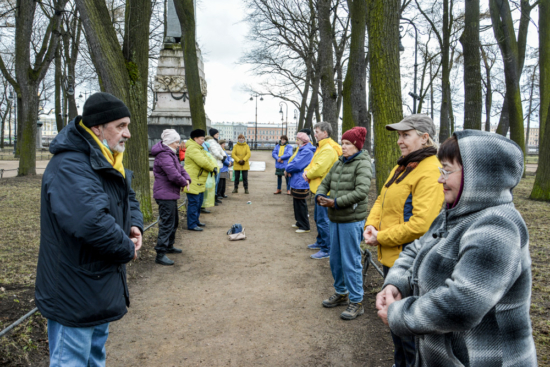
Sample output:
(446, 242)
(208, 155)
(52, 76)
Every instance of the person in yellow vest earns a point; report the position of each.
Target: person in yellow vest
(325, 156)
(241, 156)
(407, 205)
(281, 153)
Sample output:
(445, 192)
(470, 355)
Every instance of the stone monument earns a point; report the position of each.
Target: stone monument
(171, 101)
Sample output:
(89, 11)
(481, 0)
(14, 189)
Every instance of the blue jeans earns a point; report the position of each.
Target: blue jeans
(345, 259)
(320, 214)
(73, 346)
(280, 182)
(217, 182)
(194, 203)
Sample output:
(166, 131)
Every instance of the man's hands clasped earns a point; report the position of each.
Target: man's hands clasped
(135, 236)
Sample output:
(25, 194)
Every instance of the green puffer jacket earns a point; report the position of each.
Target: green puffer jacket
(349, 184)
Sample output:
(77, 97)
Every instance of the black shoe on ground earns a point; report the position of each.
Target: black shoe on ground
(173, 250)
(202, 224)
(205, 211)
(162, 259)
(219, 201)
(353, 310)
(198, 229)
(216, 203)
(336, 300)
(225, 196)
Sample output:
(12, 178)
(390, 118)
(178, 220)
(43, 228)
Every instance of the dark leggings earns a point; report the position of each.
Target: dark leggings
(238, 178)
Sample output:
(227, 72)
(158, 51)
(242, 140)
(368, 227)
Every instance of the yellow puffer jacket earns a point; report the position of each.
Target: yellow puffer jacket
(198, 165)
(324, 158)
(405, 211)
(241, 151)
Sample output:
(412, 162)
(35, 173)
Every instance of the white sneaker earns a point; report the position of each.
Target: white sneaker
(302, 231)
(294, 226)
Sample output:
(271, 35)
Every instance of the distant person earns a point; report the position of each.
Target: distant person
(462, 291)
(90, 227)
(182, 152)
(218, 153)
(198, 165)
(281, 153)
(209, 198)
(299, 187)
(348, 183)
(224, 173)
(170, 179)
(324, 158)
(230, 145)
(241, 156)
(308, 133)
(407, 205)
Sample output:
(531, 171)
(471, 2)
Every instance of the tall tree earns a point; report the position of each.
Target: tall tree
(123, 72)
(186, 15)
(355, 83)
(503, 28)
(28, 76)
(541, 187)
(473, 105)
(326, 63)
(385, 79)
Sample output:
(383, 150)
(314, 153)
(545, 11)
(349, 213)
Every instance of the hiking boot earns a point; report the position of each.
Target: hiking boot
(246, 191)
(336, 300)
(302, 230)
(162, 259)
(278, 192)
(320, 255)
(173, 250)
(353, 310)
(313, 246)
(235, 191)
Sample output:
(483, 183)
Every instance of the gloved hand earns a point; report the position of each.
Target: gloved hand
(215, 171)
(241, 162)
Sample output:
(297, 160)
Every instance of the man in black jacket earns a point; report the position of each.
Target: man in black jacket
(91, 226)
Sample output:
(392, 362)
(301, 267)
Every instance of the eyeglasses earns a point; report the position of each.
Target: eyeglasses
(446, 174)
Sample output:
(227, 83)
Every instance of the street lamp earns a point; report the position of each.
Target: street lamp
(413, 94)
(256, 123)
(281, 112)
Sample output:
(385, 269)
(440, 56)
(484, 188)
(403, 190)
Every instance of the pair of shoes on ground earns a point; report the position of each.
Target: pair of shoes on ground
(236, 191)
(352, 311)
(162, 259)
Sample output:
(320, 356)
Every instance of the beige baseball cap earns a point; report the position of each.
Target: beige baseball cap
(422, 123)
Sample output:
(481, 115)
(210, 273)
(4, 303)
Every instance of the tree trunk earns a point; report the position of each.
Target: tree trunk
(355, 93)
(531, 89)
(544, 66)
(469, 39)
(3, 125)
(503, 28)
(445, 126)
(541, 188)
(186, 15)
(58, 90)
(313, 102)
(489, 91)
(328, 89)
(383, 31)
(123, 73)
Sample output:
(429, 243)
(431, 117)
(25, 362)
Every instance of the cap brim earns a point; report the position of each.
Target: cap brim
(400, 126)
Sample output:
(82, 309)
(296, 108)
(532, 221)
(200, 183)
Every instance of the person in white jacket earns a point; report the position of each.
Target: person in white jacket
(218, 153)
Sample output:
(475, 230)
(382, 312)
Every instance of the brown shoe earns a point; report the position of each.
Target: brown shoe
(277, 192)
(353, 310)
(336, 300)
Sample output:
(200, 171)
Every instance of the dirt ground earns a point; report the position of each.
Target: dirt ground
(252, 302)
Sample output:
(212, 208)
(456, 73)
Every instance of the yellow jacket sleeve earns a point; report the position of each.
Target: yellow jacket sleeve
(247, 155)
(374, 215)
(427, 201)
(321, 164)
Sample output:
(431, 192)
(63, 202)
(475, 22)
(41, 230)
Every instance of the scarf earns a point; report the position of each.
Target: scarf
(115, 159)
(282, 149)
(410, 162)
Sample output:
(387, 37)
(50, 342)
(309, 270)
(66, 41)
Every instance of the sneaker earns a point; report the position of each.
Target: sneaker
(336, 300)
(235, 191)
(246, 191)
(294, 226)
(353, 310)
(299, 230)
(320, 255)
(313, 246)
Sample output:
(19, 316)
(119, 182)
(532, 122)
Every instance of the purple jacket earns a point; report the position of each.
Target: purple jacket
(170, 176)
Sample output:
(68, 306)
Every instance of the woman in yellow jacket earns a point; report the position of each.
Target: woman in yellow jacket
(407, 205)
(241, 156)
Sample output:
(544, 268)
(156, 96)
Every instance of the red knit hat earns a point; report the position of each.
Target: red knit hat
(356, 136)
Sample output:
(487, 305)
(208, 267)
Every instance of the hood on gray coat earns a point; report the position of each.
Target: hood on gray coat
(492, 167)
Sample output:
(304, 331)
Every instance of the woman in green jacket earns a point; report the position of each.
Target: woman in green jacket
(348, 183)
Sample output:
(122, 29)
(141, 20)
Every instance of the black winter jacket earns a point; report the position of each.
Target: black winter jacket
(87, 211)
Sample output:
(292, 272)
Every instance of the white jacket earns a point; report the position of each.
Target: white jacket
(216, 150)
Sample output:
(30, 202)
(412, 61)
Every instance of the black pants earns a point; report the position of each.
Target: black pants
(221, 188)
(168, 224)
(300, 213)
(404, 354)
(238, 178)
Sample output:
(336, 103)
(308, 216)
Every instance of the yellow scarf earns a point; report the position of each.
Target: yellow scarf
(282, 150)
(114, 158)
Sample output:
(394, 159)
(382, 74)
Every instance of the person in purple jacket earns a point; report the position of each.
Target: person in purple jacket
(170, 178)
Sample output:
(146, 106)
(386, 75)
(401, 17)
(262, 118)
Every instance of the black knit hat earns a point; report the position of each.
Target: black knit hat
(307, 131)
(213, 132)
(197, 133)
(102, 108)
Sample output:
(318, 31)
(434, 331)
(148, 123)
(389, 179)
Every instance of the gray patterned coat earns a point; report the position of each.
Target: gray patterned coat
(466, 284)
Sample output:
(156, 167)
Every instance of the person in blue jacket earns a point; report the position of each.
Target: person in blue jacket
(281, 153)
(90, 227)
(224, 172)
(300, 187)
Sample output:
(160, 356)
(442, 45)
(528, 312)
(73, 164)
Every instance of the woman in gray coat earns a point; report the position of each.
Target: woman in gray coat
(463, 290)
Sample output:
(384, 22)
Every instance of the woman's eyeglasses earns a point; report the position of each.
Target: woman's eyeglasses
(446, 174)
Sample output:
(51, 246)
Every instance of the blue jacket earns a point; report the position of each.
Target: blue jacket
(296, 167)
(285, 157)
(226, 162)
(87, 209)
